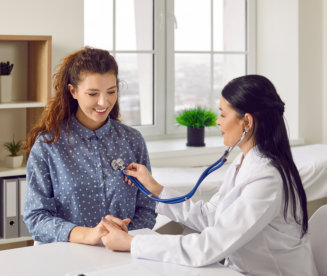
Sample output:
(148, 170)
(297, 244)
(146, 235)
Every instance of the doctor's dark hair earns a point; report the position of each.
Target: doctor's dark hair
(62, 105)
(257, 96)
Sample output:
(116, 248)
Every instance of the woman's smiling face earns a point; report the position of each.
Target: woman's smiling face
(96, 95)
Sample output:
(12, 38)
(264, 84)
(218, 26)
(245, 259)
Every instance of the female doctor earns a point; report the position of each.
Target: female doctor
(258, 220)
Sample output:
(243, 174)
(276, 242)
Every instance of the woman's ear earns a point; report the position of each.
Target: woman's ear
(248, 121)
(72, 90)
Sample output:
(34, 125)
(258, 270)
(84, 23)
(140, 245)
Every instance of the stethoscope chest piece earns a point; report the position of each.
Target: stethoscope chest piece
(117, 164)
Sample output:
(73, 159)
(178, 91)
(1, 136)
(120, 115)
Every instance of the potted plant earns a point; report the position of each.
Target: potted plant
(5, 81)
(196, 119)
(13, 160)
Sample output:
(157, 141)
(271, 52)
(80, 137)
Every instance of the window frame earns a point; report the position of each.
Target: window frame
(172, 129)
(163, 52)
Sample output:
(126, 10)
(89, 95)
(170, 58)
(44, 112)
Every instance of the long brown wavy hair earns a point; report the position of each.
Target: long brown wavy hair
(62, 105)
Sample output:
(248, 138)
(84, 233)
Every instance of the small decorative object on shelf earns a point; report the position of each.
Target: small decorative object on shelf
(13, 160)
(196, 119)
(5, 81)
(6, 68)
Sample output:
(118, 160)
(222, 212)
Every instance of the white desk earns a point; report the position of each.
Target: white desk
(64, 258)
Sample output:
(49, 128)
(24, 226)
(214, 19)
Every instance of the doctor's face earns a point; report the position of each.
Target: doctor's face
(96, 95)
(231, 125)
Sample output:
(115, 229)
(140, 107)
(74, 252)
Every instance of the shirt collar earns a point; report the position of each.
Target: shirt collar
(250, 154)
(83, 131)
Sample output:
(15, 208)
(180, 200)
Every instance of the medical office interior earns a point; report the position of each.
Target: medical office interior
(287, 42)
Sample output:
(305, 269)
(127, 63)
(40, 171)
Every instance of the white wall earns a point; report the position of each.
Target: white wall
(62, 19)
(291, 51)
(277, 53)
(311, 71)
(324, 58)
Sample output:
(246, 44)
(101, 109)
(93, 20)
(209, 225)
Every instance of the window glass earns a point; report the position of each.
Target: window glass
(226, 68)
(172, 54)
(192, 80)
(192, 25)
(134, 25)
(98, 23)
(136, 88)
(229, 27)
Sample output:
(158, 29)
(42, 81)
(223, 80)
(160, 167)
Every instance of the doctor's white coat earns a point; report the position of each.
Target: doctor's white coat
(243, 223)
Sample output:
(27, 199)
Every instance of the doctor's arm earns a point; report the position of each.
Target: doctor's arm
(235, 226)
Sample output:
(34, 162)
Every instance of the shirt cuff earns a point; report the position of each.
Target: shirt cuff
(65, 231)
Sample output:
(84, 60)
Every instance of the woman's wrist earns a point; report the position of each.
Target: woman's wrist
(83, 235)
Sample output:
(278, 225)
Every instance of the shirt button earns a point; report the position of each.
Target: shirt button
(95, 147)
(101, 184)
(99, 165)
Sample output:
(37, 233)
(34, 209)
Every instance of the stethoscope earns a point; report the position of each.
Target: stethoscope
(118, 164)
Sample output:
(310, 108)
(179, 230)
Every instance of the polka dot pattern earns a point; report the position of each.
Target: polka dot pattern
(71, 182)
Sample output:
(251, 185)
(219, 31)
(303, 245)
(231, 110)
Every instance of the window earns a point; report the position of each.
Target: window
(171, 54)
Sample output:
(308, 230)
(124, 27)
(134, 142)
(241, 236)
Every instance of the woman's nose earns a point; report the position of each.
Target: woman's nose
(217, 122)
(102, 100)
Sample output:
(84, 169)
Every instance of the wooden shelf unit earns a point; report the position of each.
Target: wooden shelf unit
(38, 75)
(36, 78)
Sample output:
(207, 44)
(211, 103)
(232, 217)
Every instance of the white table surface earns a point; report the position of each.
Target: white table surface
(70, 259)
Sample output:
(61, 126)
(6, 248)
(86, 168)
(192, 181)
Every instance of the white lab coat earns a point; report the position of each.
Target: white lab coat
(243, 223)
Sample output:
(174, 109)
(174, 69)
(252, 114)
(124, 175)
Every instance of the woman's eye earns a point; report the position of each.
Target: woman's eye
(111, 92)
(92, 94)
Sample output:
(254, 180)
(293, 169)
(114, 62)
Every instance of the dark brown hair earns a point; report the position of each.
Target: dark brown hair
(62, 105)
(256, 95)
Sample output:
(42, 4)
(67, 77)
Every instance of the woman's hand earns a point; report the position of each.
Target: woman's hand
(143, 175)
(116, 239)
(93, 235)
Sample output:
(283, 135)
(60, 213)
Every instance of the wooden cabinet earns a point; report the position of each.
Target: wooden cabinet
(31, 89)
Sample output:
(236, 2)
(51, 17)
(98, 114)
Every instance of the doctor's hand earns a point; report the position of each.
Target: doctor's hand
(93, 235)
(116, 239)
(143, 175)
(121, 223)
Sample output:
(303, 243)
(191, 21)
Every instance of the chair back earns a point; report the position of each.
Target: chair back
(318, 239)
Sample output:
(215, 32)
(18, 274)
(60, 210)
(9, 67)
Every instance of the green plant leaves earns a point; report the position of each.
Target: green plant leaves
(13, 147)
(197, 117)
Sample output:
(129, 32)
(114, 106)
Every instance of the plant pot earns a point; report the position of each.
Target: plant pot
(5, 88)
(14, 161)
(195, 137)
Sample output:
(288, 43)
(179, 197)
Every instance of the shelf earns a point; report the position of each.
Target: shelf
(16, 105)
(6, 244)
(7, 172)
(18, 239)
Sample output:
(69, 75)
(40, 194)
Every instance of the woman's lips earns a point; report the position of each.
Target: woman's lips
(100, 111)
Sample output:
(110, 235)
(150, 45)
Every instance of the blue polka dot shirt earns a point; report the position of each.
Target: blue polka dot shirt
(71, 182)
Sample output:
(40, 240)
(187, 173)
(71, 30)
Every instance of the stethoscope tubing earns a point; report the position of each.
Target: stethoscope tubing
(215, 166)
(221, 161)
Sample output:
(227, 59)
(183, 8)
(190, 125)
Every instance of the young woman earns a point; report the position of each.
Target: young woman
(258, 220)
(70, 183)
